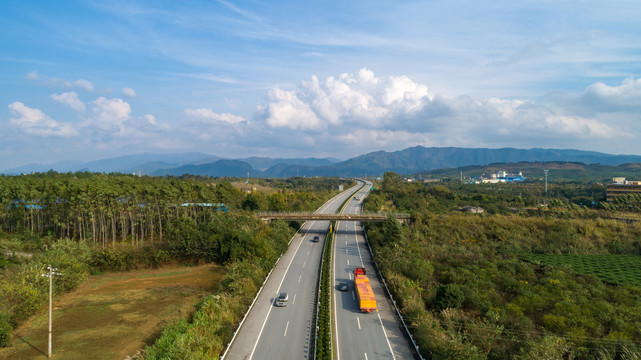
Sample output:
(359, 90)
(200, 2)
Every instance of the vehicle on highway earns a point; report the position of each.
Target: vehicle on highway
(364, 292)
(342, 286)
(315, 239)
(282, 298)
(357, 198)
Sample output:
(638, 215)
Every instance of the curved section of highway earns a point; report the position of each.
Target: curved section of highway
(357, 335)
(271, 332)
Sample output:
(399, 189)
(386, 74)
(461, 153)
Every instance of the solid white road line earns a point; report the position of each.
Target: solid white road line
(365, 356)
(385, 333)
(338, 351)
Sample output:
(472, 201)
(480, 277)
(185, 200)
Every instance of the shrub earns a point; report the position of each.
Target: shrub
(6, 328)
(448, 296)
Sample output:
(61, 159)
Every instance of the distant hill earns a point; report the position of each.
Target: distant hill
(408, 161)
(233, 168)
(416, 159)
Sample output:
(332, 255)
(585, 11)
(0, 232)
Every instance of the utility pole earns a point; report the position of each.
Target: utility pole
(50, 274)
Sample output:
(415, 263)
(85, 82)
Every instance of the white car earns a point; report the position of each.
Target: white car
(281, 300)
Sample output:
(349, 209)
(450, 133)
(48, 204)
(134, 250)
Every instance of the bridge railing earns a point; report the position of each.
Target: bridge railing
(311, 215)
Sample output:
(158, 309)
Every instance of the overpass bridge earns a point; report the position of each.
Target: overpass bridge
(295, 216)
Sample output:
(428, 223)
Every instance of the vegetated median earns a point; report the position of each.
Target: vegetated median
(115, 315)
(324, 334)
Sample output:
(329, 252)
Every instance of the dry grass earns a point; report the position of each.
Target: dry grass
(114, 315)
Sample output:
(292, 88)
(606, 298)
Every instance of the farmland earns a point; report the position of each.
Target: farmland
(114, 315)
(611, 268)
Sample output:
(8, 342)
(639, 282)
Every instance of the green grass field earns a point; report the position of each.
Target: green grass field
(615, 269)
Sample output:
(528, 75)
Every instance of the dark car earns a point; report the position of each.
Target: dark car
(315, 239)
(343, 286)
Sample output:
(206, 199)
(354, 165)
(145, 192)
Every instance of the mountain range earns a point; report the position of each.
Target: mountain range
(408, 161)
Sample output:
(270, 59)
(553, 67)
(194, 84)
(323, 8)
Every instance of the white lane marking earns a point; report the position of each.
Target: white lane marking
(359, 250)
(286, 326)
(347, 262)
(345, 242)
(338, 352)
(347, 251)
(307, 252)
(271, 307)
(359, 322)
(350, 276)
(300, 277)
(305, 262)
(294, 299)
(365, 356)
(385, 333)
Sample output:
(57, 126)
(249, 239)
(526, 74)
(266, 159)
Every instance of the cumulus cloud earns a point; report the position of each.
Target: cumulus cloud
(129, 92)
(110, 113)
(34, 122)
(398, 109)
(348, 99)
(209, 116)
(70, 99)
(605, 98)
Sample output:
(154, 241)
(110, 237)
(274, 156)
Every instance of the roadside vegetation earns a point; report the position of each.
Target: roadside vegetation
(533, 276)
(86, 223)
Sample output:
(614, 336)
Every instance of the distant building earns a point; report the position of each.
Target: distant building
(472, 209)
(621, 186)
(498, 177)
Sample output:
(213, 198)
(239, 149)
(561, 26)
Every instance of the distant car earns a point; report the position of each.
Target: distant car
(343, 286)
(316, 239)
(357, 198)
(282, 298)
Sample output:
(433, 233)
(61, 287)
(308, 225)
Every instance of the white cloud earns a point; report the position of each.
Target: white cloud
(129, 92)
(35, 122)
(70, 99)
(80, 83)
(32, 76)
(83, 84)
(397, 110)
(288, 111)
(602, 97)
(360, 98)
(110, 113)
(151, 119)
(209, 115)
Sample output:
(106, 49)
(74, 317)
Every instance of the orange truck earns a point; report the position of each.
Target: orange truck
(366, 299)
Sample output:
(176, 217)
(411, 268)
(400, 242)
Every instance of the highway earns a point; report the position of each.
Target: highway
(271, 332)
(357, 335)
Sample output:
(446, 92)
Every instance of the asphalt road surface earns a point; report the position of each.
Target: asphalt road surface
(357, 335)
(271, 332)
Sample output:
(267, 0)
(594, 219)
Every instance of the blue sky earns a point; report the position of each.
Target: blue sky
(83, 80)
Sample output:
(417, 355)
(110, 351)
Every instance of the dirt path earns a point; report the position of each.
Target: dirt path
(114, 315)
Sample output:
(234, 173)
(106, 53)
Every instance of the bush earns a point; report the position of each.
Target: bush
(6, 329)
(448, 296)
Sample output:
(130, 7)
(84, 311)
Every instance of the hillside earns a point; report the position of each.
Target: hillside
(408, 161)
